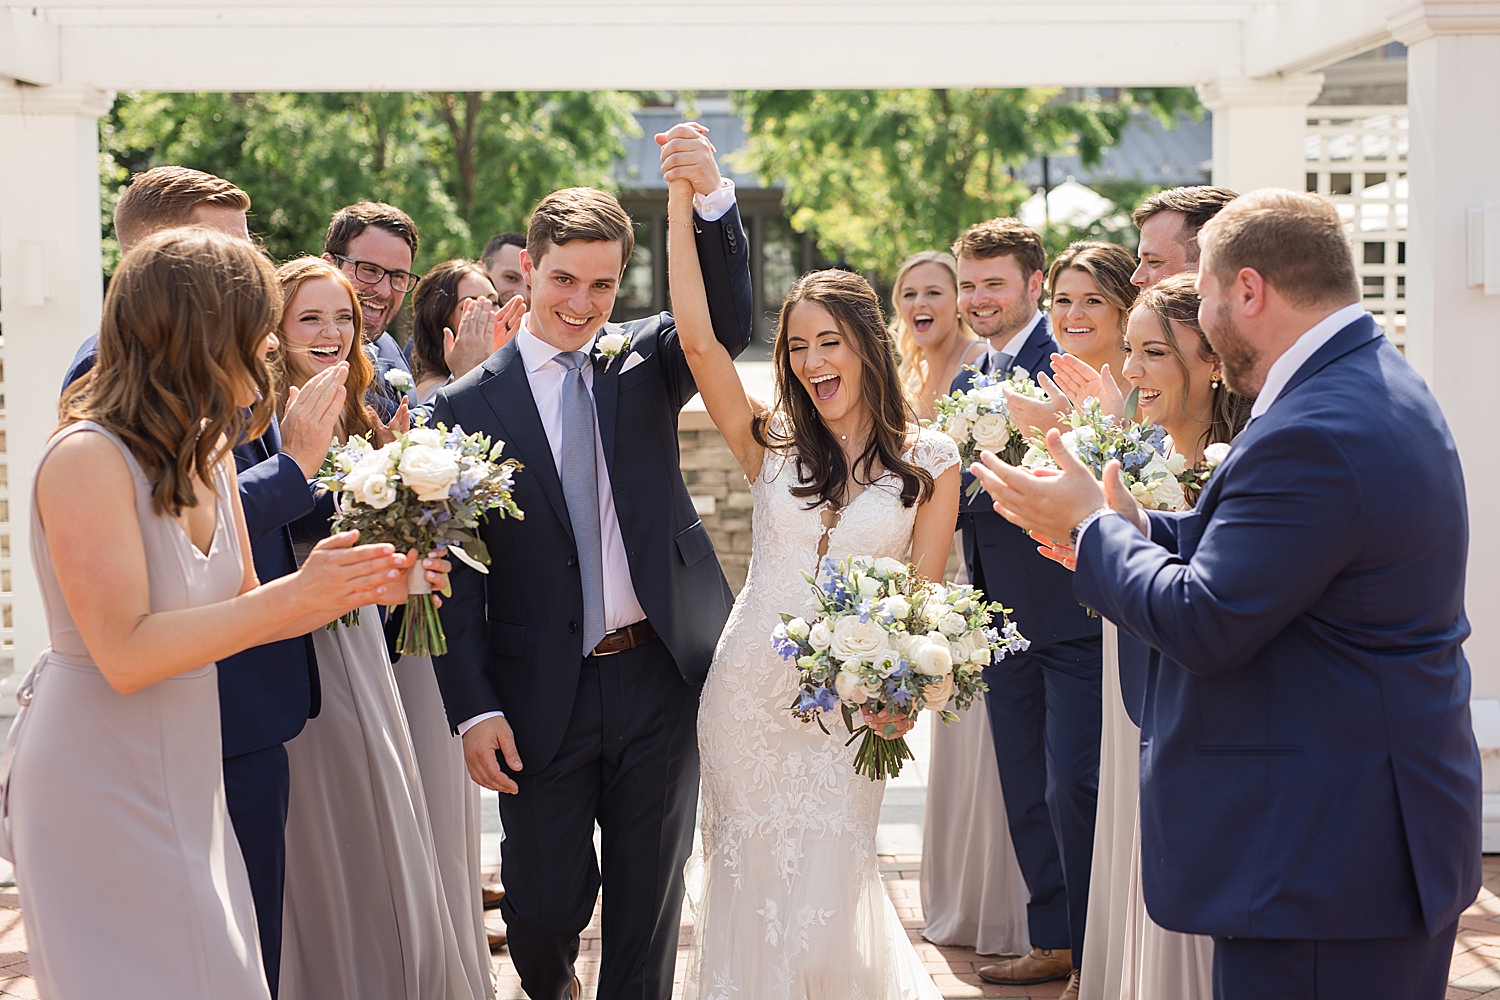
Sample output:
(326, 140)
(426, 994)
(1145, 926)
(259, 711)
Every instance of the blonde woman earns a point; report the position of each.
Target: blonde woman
(932, 337)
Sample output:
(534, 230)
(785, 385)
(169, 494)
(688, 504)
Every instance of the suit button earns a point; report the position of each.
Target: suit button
(572, 626)
(572, 560)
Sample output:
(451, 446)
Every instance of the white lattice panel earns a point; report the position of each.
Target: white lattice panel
(1357, 157)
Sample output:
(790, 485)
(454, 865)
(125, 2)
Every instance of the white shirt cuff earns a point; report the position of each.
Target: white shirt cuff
(1087, 523)
(715, 205)
(468, 724)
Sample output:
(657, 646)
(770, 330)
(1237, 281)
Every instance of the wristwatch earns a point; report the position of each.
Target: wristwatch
(1078, 528)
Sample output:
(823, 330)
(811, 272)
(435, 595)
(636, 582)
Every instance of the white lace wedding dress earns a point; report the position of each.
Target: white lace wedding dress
(791, 905)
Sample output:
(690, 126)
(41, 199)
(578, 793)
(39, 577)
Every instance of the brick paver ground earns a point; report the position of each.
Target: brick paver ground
(1476, 955)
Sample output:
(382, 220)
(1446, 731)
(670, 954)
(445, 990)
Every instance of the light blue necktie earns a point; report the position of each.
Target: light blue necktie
(580, 483)
(1001, 363)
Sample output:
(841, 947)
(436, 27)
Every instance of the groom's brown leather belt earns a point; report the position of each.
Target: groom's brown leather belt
(625, 638)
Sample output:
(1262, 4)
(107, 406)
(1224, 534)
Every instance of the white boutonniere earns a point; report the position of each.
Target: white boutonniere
(610, 346)
(398, 380)
(1213, 457)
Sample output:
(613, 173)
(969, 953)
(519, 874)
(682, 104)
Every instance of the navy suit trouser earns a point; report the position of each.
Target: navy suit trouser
(1411, 968)
(257, 786)
(629, 762)
(1045, 714)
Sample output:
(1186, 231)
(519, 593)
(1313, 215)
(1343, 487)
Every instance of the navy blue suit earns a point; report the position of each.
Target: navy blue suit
(612, 738)
(1045, 707)
(1309, 778)
(266, 693)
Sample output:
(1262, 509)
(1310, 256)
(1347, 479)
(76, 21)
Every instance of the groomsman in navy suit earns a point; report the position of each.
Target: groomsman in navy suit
(267, 693)
(1310, 786)
(1044, 704)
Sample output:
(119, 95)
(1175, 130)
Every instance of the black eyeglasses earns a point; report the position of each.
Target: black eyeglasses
(371, 274)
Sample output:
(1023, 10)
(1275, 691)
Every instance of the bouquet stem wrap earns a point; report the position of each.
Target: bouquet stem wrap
(422, 629)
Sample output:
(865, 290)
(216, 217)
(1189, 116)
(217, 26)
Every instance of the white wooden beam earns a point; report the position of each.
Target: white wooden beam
(1290, 38)
(575, 56)
(28, 48)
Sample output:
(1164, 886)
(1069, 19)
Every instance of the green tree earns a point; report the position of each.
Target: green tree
(462, 165)
(876, 175)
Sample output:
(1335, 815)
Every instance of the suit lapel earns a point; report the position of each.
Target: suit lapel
(1034, 352)
(1356, 334)
(509, 395)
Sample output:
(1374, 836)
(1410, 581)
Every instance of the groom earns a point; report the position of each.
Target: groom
(1310, 790)
(574, 667)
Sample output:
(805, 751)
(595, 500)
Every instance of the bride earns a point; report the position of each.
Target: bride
(792, 905)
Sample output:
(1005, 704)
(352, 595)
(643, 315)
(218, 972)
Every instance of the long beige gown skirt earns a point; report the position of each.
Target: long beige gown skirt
(366, 916)
(453, 810)
(1126, 955)
(131, 881)
(973, 893)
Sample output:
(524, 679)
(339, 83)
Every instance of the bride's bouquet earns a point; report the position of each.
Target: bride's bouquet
(1155, 477)
(889, 642)
(977, 419)
(428, 488)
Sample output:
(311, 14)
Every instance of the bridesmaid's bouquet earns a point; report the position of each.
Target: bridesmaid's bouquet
(889, 642)
(978, 420)
(427, 489)
(1156, 477)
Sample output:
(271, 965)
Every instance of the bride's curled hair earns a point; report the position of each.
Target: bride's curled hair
(823, 473)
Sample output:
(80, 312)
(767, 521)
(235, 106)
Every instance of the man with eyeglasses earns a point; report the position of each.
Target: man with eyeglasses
(374, 244)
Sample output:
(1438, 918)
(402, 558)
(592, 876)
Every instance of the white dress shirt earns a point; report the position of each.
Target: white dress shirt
(1013, 345)
(545, 375)
(1284, 367)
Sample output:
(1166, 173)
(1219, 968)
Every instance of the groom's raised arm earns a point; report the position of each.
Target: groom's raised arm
(1287, 521)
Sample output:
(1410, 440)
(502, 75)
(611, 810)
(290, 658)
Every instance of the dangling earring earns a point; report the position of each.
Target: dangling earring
(1214, 382)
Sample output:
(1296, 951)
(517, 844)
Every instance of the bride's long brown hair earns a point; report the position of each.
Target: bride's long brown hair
(181, 339)
(822, 471)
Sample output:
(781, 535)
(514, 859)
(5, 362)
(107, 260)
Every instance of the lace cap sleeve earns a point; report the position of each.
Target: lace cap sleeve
(934, 451)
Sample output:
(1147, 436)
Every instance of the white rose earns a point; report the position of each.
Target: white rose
(982, 654)
(612, 343)
(850, 688)
(427, 471)
(938, 694)
(857, 640)
(1176, 463)
(991, 432)
(869, 587)
(797, 629)
(885, 662)
(887, 566)
(958, 429)
(960, 649)
(1167, 494)
(928, 658)
(953, 624)
(1216, 453)
(971, 412)
(818, 637)
(371, 487)
(426, 436)
(1142, 494)
(896, 607)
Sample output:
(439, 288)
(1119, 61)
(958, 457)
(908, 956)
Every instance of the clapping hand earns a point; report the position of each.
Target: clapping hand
(399, 423)
(686, 154)
(312, 412)
(483, 329)
(1078, 381)
(1039, 415)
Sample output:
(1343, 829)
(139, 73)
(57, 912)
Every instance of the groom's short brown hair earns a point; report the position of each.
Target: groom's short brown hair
(165, 197)
(579, 213)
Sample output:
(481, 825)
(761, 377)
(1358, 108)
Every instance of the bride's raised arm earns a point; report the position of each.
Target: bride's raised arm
(732, 409)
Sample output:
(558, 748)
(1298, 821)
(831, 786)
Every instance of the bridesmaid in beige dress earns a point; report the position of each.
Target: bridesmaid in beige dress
(377, 905)
(131, 881)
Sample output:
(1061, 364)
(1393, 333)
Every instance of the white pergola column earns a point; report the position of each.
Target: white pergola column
(1258, 129)
(1452, 329)
(50, 294)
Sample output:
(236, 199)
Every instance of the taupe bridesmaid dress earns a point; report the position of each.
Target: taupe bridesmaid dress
(365, 916)
(131, 881)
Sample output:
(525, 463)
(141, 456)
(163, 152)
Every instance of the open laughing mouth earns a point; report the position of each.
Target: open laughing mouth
(325, 353)
(922, 321)
(1145, 397)
(825, 386)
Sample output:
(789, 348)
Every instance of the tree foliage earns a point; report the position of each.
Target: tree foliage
(876, 175)
(463, 165)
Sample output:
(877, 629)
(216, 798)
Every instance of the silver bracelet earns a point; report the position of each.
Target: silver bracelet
(1081, 526)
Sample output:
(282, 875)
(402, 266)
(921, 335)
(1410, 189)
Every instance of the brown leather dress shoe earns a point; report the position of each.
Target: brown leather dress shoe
(1070, 992)
(1042, 965)
(490, 896)
(497, 939)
